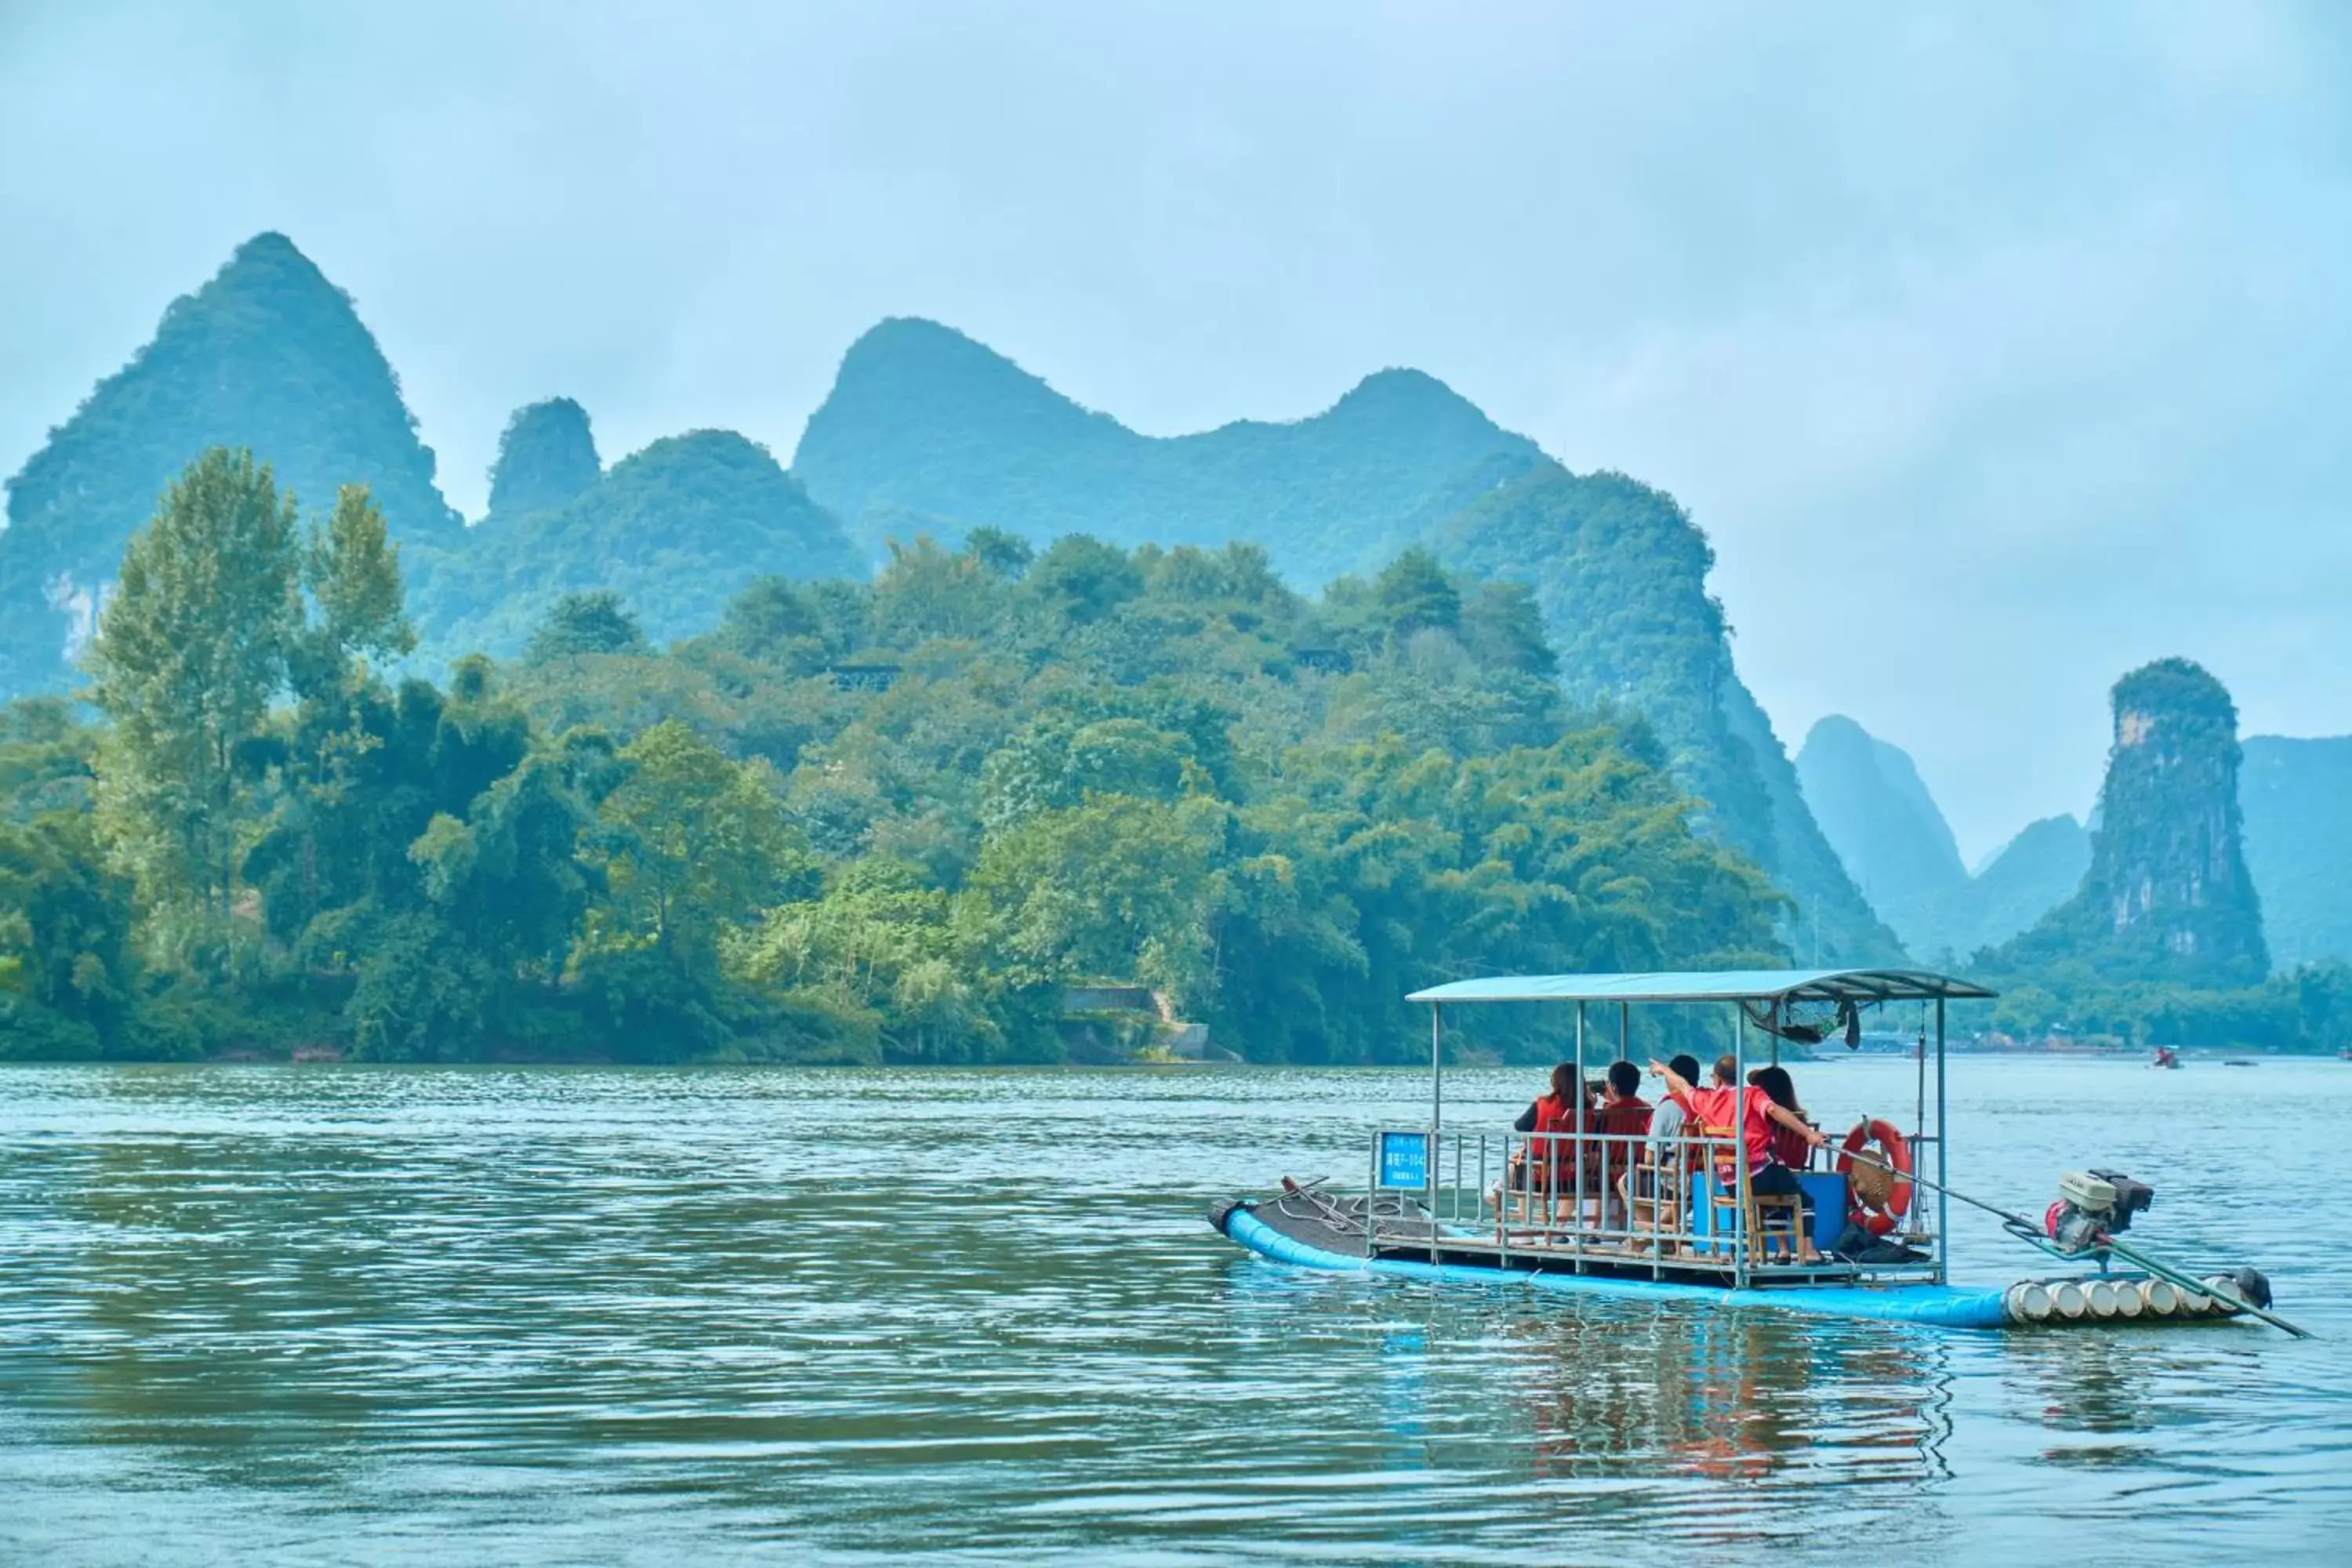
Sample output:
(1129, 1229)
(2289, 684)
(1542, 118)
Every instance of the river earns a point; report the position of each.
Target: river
(344, 1314)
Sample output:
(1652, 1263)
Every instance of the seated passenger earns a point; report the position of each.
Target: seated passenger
(1623, 1115)
(1553, 1121)
(1666, 1119)
(1788, 1148)
(1653, 1189)
(1793, 1144)
(1752, 1114)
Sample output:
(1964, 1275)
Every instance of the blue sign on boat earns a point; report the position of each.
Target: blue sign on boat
(1404, 1160)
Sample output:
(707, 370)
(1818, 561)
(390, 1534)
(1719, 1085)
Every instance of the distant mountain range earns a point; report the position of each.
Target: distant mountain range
(2296, 836)
(925, 431)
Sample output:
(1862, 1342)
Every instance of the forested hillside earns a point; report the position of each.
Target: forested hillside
(269, 354)
(885, 820)
(1619, 571)
(925, 430)
(677, 530)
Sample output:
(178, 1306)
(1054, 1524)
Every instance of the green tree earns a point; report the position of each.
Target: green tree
(695, 842)
(65, 942)
(352, 570)
(46, 758)
(585, 623)
(1085, 578)
(1008, 555)
(190, 652)
(1117, 887)
(1414, 594)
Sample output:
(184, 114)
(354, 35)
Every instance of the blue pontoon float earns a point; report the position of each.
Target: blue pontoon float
(1674, 1218)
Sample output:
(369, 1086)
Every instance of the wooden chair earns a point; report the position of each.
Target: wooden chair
(1763, 1209)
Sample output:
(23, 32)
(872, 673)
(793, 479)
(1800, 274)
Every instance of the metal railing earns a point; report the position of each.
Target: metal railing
(1631, 1201)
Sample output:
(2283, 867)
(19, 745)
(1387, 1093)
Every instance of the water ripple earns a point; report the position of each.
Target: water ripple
(339, 1314)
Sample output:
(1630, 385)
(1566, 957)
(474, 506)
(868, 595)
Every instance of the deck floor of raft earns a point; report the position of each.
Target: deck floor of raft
(1404, 1235)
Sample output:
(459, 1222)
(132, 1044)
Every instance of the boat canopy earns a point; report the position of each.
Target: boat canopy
(1719, 985)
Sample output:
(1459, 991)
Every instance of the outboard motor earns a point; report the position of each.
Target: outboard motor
(2093, 1205)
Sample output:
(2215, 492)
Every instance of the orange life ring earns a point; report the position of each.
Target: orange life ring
(1870, 1217)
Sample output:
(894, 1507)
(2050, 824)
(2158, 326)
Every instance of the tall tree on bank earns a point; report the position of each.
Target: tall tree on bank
(190, 651)
(352, 570)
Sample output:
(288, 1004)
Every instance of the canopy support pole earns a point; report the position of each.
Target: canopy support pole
(1576, 1211)
(1436, 1117)
(1436, 1075)
(1739, 1141)
(1943, 1149)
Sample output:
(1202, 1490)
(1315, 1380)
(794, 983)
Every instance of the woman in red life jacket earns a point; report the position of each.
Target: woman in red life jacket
(1790, 1148)
(1755, 1114)
(1555, 1120)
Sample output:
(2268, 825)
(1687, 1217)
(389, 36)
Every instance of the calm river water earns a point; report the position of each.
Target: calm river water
(329, 1314)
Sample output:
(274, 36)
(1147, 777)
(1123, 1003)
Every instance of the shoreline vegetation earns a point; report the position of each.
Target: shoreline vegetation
(859, 822)
(996, 805)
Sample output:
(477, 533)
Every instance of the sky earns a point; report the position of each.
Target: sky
(1999, 347)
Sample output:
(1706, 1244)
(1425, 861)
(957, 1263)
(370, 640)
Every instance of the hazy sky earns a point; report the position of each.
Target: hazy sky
(1999, 348)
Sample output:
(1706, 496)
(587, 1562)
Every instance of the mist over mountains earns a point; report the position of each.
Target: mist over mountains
(926, 432)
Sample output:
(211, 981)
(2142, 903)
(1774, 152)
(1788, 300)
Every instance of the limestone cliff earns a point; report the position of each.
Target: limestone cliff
(2168, 896)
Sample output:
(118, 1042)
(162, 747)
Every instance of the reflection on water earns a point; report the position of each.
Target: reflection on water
(340, 1314)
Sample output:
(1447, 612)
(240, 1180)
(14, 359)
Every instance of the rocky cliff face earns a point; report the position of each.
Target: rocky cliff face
(267, 355)
(2167, 896)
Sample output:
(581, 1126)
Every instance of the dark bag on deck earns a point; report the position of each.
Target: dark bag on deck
(1857, 1245)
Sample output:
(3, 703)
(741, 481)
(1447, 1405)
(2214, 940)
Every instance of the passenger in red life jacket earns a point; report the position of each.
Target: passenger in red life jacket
(1624, 1114)
(1755, 1113)
(1790, 1148)
(1555, 1119)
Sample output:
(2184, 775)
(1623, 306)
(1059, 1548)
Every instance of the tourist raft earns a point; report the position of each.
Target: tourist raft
(1592, 1209)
